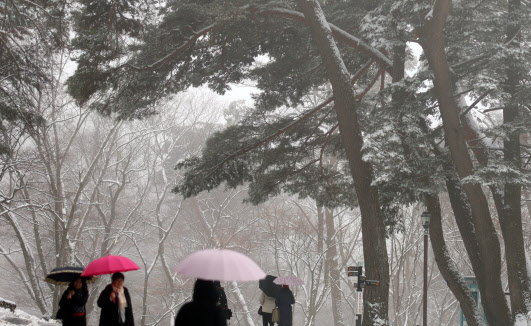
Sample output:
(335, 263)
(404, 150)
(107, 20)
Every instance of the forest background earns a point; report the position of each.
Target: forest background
(349, 134)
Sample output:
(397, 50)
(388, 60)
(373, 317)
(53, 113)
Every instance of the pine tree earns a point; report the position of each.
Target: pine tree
(388, 149)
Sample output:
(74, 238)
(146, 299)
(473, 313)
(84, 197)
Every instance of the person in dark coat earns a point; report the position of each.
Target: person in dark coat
(115, 303)
(72, 303)
(284, 300)
(223, 303)
(203, 309)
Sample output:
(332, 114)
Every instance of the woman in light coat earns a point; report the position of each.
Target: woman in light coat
(268, 304)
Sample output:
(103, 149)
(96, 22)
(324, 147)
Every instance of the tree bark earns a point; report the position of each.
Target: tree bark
(333, 271)
(511, 219)
(29, 262)
(447, 267)
(318, 271)
(489, 247)
(374, 245)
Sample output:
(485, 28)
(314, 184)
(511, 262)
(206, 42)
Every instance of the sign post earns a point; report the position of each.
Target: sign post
(362, 283)
(360, 308)
(358, 271)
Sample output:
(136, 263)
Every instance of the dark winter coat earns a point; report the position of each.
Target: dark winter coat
(223, 303)
(203, 309)
(109, 309)
(73, 310)
(284, 300)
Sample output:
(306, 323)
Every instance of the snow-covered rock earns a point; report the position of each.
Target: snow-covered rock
(7, 304)
(19, 317)
(522, 320)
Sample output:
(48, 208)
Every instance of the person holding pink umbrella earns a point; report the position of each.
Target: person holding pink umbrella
(115, 303)
(284, 300)
(203, 310)
(114, 300)
(207, 266)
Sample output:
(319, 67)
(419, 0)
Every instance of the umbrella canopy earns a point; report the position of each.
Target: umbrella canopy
(220, 265)
(65, 275)
(288, 280)
(109, 264)
(268, 286)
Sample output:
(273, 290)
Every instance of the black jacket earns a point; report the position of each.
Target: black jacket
(203, 310)
(196, 314)
(284, 300)
(74, 305)
(109, 310)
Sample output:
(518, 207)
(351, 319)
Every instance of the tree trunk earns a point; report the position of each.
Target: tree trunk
(489, 247)
(239, 299)
(373, 228)
(447, 267)
(29, 262)
(511, 219)
(331, 258)
(318, 271)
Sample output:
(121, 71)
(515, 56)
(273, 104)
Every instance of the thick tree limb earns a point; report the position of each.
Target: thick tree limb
(495, 306)
(304, 117)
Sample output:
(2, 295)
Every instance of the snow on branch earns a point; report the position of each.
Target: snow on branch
(339, 34)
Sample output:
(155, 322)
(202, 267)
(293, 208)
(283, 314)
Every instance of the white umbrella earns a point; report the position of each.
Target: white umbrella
(220, 265)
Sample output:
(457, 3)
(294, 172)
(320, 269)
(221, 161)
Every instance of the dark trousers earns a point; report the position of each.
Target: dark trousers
(266, 319)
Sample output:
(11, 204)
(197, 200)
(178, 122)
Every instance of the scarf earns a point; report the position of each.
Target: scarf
(122, 303)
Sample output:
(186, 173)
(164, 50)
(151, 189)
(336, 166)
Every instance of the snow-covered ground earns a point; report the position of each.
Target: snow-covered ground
(522, 320)
(21, 318)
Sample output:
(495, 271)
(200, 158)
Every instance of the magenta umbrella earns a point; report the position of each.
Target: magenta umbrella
(108, 265)
(220, 265)
(288, 280)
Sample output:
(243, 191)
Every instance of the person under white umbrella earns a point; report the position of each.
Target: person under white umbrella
(208, 266)
(203, 309)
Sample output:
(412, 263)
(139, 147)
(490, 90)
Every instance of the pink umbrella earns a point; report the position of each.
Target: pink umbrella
(220, 265)
(288, 280)
(109, 264)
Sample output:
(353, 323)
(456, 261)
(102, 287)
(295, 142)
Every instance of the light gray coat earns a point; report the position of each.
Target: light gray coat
(268, 303)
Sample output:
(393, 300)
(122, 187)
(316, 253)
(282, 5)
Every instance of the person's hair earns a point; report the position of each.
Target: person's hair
(117, 276)
(83, 284)
(206, 292)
